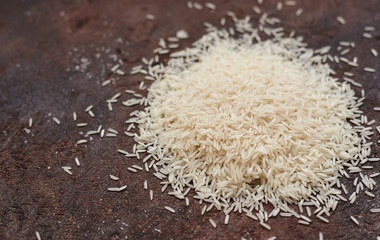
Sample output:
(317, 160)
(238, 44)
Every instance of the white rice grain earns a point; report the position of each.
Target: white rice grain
(67, 169)
(320, 236)
(303, 222)
(190, 4)
(38, 236)
(299, 12)
(111, 135)
(112, 131)
(374, 175)
(341, 20)
(374, 52)
(82, 124)
(77, 161)
(150, 17)
(369, 28)
(120, 72)
(279, 6)
(170, 209)
(203, 209)
(354, 220)
(91, 113)
(371, 70)
(370, 194)
(227, 219)
(265, 225)
(113, 177)
(106, 82)
(113, 69)
(212, 222)
(122, 151)
(81, 141)
(323, 218)
(117, 189)
(210, 5)
(290, 3)
(257, 9)
(197, 6)
(367, 35)
(375, 210)
(89, 108)
(151, 194)
(56, 120)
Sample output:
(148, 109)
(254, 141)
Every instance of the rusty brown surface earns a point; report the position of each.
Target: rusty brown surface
(42, 42)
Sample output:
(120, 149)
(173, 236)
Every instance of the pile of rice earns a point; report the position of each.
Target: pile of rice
(245, 122)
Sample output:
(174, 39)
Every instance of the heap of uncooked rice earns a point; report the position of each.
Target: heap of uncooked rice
(246, 122)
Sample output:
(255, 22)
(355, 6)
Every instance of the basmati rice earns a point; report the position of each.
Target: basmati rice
(56, 120)
(82, 141)
(212, 222)
(375, 210)
(150, 17)
(67, 169)
(89, 108)
(210, 5)
(367, 35)
(82, 124)
(227, 219)
(354, 220)
(374, 52)
(299, 12)
(114, 177)
(170, 209)
(174, 102)
(367, 69)
(320, 236)
(341, 20)
(265, 225)
(38, 236)
(77, 161)
(117, 189)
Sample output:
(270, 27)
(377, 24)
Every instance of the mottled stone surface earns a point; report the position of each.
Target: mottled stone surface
(53, 56)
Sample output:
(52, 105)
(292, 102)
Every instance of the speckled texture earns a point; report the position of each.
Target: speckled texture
(42, 42)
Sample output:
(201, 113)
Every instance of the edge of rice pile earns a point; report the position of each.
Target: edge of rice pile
(246, 122)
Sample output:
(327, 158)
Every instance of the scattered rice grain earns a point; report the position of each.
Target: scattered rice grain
(56, 120)
(67, 169)
(150, 17)
(38, 236)
(354, 220)
(212, 222)
(341, 20)
(113, 177)
(81, 141)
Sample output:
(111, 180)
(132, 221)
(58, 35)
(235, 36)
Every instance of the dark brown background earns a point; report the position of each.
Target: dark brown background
(42, 42)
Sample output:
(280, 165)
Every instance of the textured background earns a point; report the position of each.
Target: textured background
(53, 56)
